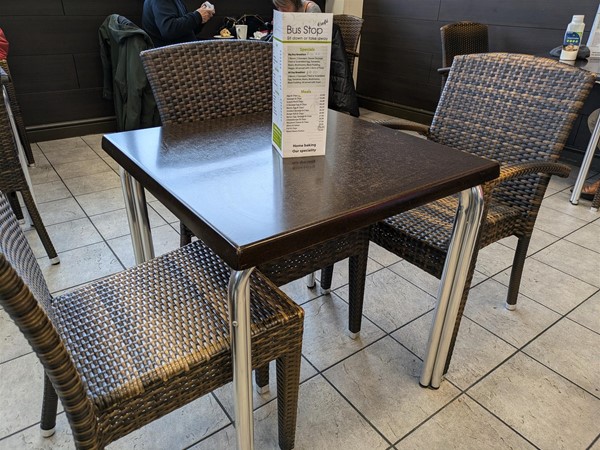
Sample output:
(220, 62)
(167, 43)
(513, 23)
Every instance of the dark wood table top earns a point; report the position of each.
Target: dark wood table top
(224, 180)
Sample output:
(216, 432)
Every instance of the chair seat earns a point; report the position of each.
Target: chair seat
(422, 235)
(165, 320)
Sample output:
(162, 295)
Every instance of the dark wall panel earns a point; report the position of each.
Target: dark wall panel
(40, 36)
(411, 9)
(89, 70)
(65, 106)
(102, 8)
(518, 13)
(43, 73)
(31, 7)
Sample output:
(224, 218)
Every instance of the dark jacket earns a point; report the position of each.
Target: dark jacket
(121, 42)
(342, 96)
(169, 22)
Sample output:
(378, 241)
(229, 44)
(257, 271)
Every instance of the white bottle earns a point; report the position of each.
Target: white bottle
(573, 37)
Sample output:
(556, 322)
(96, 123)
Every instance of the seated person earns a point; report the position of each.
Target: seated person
(296, 6)
(169, 22)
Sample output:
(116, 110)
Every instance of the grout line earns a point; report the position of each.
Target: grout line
(501, 420)
(593, 442)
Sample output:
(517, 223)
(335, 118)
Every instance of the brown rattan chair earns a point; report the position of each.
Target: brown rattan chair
(128, 349)
(517, 110)
(16, 110)
(350, 26)
(210, 79)
(462, 38)
(12, 179)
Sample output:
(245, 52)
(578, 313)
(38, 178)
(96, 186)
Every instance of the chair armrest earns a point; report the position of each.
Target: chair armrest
(401, 124)
(444, 70)
(528, 168)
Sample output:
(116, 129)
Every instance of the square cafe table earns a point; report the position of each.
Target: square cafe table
(222, 178)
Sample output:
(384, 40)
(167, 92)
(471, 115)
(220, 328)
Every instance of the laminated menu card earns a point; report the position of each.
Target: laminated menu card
(301, 58)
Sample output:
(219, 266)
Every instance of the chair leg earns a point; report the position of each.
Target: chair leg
(357, 275)
(288, 384)
(326, 277)
(39, 226)
(13, 200)
(185, 235)
(22, 131)
(49, 408)
(517, 272)
(596, 201)
(261, 375)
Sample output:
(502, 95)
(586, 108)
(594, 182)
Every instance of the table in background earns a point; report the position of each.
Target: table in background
(222, 178)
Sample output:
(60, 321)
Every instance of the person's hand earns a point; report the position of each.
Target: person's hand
(206, 11)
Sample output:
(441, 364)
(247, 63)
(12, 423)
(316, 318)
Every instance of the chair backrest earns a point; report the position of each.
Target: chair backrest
(209, 79)
(12, 177)
(463, 38)
(16, 110)
(509, 107)
(351, 27)
(25, 297)
(513, 109)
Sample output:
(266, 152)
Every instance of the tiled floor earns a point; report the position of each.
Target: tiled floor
(523, 379)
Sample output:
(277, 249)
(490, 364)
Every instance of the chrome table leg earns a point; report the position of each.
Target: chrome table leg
(310, 280)
(585, 164)
(137, 216)
(238, 295)
(454, 275)
(141, 210)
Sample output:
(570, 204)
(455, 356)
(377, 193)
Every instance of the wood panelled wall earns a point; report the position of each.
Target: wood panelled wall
(401, 48)
(54, 52)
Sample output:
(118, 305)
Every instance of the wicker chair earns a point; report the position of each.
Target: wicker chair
(596, 201)
(350, 26)
(12, 179)
(129, 349)
(210, 79)
(517, 110)
(16, 110)
(461, 38)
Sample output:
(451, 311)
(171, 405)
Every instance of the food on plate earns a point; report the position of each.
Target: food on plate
(225, 33)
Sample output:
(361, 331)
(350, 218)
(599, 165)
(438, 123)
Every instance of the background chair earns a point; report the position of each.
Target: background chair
(351, 27)
(13, 179)
(211, 79)
(131, 348)
(461, 38)
(517, 110)
(16, 110)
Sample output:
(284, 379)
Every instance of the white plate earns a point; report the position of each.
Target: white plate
(218, 36)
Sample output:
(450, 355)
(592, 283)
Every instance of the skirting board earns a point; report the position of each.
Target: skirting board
(64, 130)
